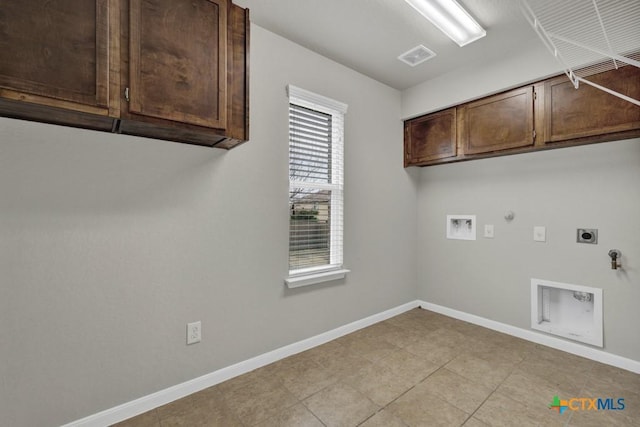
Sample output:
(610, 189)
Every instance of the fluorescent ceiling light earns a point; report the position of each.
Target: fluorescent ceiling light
(451, 19)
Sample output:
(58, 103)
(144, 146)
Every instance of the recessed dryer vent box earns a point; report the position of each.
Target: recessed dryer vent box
(569, 311)
(587, 235)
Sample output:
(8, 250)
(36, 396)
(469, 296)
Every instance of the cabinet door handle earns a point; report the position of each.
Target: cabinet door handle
(126, 94)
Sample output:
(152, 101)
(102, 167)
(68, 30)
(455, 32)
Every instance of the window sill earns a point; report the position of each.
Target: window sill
(314, 278)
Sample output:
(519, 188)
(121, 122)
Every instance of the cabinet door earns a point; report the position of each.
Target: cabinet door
(584, 112)
(498, 122)
(178, 60)
(55, 53)
(430, 138)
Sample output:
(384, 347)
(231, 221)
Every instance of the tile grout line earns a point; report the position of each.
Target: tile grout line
(517, 365)
(420, 382)
(402, 394)
(443, 366)
(479, 406)
(380, 408)
(310, 411)
(584, 384)
(492, 392)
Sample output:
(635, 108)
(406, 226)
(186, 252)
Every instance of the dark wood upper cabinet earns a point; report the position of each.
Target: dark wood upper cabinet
(179, 72)
(54, 53)
(547, 114)
(585, 112)
(167, 69)
(237, 77)
(431, 137)
(498, 122)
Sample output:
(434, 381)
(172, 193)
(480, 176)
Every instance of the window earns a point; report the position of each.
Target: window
(316, 181)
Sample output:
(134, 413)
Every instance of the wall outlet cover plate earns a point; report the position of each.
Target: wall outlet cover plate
(540, 233)
(488, 231)
(194, 332)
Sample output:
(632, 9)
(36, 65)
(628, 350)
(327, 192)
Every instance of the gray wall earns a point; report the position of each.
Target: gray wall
(529, 62)
(110, 244)
(593, 186)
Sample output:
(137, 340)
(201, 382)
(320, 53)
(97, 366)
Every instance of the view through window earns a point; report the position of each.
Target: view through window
(315, 186)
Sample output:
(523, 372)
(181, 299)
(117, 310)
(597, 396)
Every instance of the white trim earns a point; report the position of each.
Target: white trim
(313, 100)
(591, 333)
(539, 338)
(337, 110)
(312, 279)
(162, 397)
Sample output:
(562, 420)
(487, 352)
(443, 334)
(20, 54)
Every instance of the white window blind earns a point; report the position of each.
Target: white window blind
(316, 182)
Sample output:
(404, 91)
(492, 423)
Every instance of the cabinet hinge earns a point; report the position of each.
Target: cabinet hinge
(535, 95)
(126, 94)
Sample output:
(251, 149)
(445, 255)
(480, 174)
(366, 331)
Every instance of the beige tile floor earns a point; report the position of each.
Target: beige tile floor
(416, 369)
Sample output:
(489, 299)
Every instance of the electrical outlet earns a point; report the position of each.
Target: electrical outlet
(194, 332)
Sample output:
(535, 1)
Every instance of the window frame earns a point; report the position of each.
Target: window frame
(334, 270)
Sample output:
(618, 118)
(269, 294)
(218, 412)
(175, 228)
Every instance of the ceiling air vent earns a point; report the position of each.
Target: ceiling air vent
(416, 56)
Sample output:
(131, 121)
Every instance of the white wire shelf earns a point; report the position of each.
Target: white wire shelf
(588, 37)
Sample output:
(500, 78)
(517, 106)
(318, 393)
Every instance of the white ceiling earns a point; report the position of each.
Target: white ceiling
(369, 35)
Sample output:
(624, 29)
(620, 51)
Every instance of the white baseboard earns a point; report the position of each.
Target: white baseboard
(162, 397)
(539, 338)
